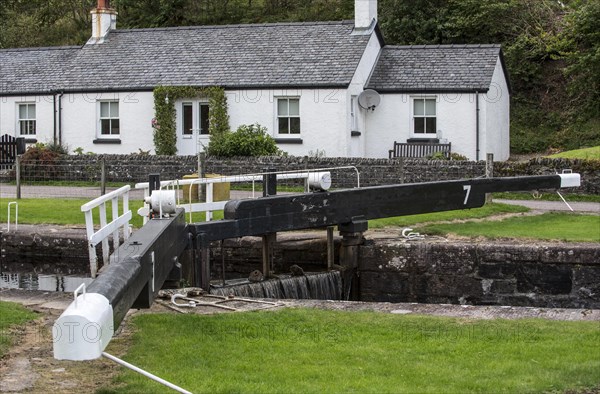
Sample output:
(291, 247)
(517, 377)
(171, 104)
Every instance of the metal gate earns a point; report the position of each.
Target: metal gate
(10, 147)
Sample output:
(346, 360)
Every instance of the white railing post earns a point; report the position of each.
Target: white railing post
(209, 199)
(103, 222)
(89, 227)
(106, 229)
(16, 204)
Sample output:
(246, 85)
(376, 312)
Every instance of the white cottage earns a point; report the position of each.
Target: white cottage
(300, 80)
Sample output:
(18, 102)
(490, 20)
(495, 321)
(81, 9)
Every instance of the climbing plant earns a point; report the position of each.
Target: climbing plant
(164, 123)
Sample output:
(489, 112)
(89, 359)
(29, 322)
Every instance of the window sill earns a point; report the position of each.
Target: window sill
(107, 141)
(288, 140)
(422, 140)
(355, 133)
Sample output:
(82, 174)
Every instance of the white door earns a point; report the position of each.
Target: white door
(192, 135)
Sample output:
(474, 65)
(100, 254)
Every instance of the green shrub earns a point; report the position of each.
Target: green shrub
(247, 140)
(442, 156)
(458, 156)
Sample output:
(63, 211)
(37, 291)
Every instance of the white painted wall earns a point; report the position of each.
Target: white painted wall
(497, 116)
(356, 146)
(81, 124)
(392, 121)
(322, 117)
(44, 116)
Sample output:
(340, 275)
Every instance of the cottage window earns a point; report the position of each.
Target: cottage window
(27, 122)
(109, 118)
(188, 119)
(288, 115)
(425, 121)
(195, 122)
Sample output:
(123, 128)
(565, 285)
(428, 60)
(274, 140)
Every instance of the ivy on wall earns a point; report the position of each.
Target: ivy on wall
(164, 122)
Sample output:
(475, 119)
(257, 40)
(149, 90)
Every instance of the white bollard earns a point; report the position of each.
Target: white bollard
(84, 329)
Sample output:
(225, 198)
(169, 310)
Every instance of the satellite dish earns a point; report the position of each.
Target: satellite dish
(369, 99)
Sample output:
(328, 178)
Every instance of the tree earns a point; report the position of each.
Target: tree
(582, 34)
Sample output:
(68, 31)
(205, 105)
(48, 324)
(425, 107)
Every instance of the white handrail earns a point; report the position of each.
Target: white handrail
(210, 205)
(106, 228)
(281, 175)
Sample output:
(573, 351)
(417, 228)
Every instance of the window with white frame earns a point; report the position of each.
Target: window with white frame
(110, 124)
(27, 122)
(288, 116)
(424, 116)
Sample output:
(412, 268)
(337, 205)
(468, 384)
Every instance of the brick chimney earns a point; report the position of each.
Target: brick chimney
(364, 13)
(104, 19)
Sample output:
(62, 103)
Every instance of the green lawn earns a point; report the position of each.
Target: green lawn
(315, 351)
(61, 211)
(570, 227)
(592, 153)
(549, 226)
(476, 213)
(68, 211)
(11, 316)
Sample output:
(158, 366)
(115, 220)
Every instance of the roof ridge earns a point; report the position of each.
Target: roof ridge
(443, 46)
(233, 26)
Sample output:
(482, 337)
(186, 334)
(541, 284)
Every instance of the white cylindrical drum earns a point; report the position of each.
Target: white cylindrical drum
(162, 200)
(319, 180)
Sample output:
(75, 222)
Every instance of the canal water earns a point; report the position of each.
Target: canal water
(32, 281)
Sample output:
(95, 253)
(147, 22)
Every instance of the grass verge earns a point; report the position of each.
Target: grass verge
(11, 315)
(68, 212)
(61, 211)
(315, 351)
(475, 213)
(592, 153)
(549, 226)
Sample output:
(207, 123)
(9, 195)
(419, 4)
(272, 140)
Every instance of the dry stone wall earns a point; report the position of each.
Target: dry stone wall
(136, 168)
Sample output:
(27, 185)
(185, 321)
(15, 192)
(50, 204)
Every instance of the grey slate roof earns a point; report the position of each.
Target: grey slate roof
(314, 54)
(435, 68)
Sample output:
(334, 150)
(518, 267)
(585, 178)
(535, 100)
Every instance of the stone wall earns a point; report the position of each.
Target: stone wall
(135, 168)
(488, 273)
(44, 249)
(543, 274)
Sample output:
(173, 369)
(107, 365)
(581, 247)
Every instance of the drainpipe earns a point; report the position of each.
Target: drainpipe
(60, 118)
(477, 125)
(54, 117)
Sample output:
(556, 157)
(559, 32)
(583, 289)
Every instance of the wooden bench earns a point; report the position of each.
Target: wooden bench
(418, 149)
